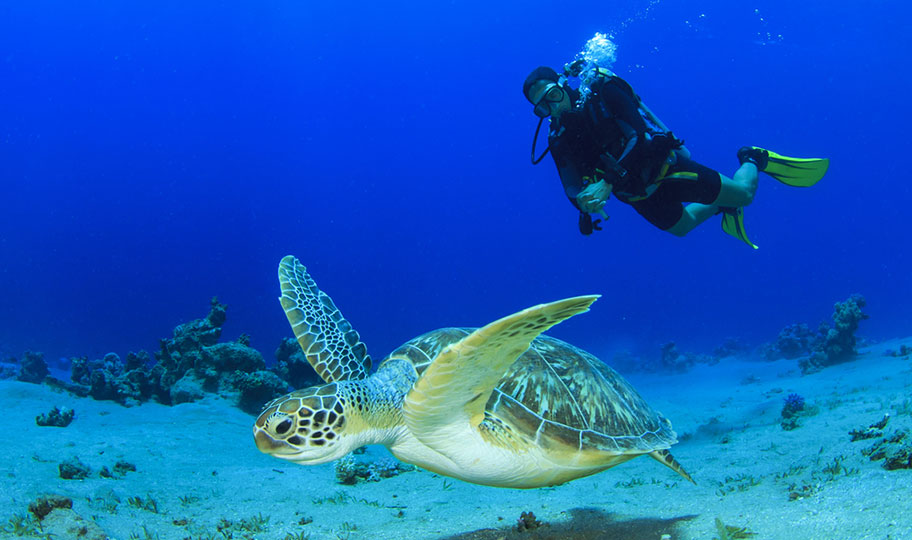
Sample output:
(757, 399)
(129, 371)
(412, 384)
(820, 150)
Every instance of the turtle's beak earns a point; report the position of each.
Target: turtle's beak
(266, 444)
(283, 450)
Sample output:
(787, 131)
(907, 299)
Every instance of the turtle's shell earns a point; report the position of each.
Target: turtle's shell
(562, 394)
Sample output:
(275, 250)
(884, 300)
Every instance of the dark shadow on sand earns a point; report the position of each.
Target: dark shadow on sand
(585, 524)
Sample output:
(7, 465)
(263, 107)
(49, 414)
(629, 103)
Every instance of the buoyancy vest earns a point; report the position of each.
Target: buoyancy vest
(608, 137)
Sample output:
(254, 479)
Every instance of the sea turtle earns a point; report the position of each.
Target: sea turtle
(500, 405)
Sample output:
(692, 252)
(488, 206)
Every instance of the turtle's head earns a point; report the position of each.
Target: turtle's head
(308, 426)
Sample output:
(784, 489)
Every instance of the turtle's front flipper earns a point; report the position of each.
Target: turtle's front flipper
(329, 342)
(454, 389)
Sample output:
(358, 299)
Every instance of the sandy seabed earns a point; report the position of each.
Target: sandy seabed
(198, 463)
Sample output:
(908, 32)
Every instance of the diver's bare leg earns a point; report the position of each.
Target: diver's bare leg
(739, 190)
(694, 214)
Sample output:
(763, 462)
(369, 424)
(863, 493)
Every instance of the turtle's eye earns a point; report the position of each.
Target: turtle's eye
(283, 426)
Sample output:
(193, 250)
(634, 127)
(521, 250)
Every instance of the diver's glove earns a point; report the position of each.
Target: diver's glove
(591, 200)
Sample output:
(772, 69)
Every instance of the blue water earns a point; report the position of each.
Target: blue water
(154, 154)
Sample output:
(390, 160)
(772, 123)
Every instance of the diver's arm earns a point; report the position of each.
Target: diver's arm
(572, 181)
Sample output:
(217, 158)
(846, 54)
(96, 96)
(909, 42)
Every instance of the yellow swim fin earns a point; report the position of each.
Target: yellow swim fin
(798, 172)
(733, 224)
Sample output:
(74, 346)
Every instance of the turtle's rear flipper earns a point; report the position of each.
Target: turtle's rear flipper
(451, 394)
(665, 458)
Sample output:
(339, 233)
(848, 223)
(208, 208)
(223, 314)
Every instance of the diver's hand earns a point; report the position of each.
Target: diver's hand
(592, 199)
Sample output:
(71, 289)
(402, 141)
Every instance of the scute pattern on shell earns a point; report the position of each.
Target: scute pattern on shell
(560, 387)
(558, 394)
(421, 350)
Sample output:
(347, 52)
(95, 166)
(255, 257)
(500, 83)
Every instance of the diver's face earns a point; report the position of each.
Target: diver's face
(549, 98)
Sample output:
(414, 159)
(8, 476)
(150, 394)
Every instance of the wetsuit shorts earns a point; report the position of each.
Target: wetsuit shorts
(686, 181)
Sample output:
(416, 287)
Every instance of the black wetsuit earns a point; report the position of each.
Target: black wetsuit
(609, 133)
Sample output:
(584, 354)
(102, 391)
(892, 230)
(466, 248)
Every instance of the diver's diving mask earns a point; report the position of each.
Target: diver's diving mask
(553, 94)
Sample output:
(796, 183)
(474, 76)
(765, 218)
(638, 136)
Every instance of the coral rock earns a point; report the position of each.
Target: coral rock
(65, 524)
(57, 417)
(43, 505)
(257, 388)
(292, 366)
(230, 357)
(33, 368)
(794, 341)
(836, 344)
(188, 389)
(73, 469)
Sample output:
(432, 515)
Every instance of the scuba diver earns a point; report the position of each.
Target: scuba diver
(605, 140)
